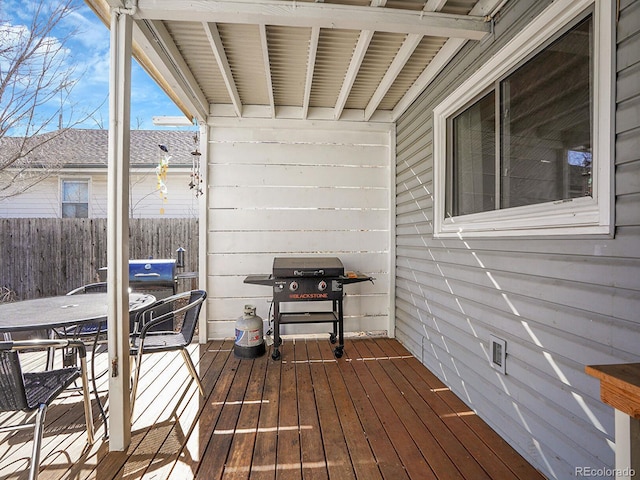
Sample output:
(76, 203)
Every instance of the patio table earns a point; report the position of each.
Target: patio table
(63, 311)
(49, 313)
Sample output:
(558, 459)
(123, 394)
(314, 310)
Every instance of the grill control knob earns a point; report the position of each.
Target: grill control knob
(293, 286)
(322, 286)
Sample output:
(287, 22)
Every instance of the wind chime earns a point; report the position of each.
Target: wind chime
(196, 177)
(161, 174)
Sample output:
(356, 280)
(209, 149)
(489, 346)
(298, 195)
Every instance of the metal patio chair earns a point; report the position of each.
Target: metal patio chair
(184, 309)
(35, 391)
(92, 329)
(98, 287)
(91, 335)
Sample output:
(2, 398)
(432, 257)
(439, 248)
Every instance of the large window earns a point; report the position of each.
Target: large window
(75, 199)
(518, 148)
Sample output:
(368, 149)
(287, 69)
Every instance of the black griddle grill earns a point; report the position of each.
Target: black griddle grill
(306, 279)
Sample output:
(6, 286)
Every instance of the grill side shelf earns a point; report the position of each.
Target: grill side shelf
(307, 317)
(269, 280)
(355, 278)
(260, 280)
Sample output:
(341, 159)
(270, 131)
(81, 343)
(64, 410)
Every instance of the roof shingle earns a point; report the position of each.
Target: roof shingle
(89, 148)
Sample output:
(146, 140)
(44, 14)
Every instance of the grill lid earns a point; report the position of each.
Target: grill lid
(152, 271)
(307, 267)
(284, 267)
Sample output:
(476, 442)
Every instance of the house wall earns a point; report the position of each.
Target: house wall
(282, 188)
(560, 303)
(44, 199)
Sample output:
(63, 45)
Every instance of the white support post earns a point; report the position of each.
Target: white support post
(620, 388)
(118, 231)
(203, 226)
(627, 446)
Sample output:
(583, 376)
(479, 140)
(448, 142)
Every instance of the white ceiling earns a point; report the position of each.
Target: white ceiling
(358, 60)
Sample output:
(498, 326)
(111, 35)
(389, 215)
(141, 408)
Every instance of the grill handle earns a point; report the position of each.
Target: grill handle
(308, 273)
(146, 275)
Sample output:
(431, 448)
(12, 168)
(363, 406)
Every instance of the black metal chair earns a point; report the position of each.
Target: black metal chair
(183, 309)
(91, 334)
(92, 329)
(35, 391)
(99, 287)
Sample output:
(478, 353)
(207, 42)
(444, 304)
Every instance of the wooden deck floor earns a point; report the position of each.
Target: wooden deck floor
(376, 413)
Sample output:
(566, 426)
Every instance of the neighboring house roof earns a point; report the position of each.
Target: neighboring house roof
(75, 148)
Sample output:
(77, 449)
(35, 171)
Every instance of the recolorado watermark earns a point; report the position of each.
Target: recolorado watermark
(604, 472)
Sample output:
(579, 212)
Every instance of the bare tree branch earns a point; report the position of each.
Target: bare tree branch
(36, 81)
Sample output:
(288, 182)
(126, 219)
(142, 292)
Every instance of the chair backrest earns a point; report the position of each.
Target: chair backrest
(99, 287)
(91, 329)
(12, 393)
(190, 321)
(183, 309)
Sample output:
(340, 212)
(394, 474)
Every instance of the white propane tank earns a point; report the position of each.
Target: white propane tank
(249, 337)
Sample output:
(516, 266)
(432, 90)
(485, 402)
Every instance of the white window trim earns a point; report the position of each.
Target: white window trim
(588, 215)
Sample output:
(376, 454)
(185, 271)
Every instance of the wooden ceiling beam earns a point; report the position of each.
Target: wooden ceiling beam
(352, 72)
(354, 66)
(443, 57)
(267, 68)
(320, 15)
(399, 62)
(159, 50)
(213, 35)
(311, 62)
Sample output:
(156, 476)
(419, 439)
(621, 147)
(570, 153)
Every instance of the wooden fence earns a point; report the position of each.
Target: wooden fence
(48, 256)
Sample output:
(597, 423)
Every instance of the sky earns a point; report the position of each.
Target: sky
(88, 52)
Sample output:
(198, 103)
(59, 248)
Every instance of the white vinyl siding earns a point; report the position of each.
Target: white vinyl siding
(560, 303)
(44, 199)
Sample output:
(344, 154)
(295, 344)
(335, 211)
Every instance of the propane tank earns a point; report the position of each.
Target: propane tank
(249, 338)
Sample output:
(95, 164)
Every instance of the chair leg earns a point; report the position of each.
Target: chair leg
(136, 376)
(88, 414)
(50, 359)
(37, 442)
(192, 369)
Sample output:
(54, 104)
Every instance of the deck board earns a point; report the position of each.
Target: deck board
(353, 426)
(244, 437)
(375, 413)
(388, 460)
(313, 439)
(409, 453)
(433, 443)
(264, 453)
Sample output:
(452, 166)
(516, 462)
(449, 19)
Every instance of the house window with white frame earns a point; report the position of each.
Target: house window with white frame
(75, 198)
(524, 146)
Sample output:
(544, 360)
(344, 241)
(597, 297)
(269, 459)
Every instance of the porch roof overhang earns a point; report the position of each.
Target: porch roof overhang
(356, 60)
